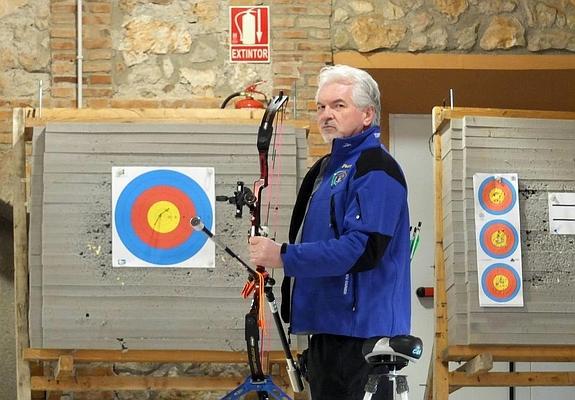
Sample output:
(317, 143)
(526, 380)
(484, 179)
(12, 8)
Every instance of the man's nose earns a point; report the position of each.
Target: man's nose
(326, 113)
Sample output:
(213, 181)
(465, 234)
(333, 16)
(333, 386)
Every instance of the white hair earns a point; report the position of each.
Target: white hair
(365, 91)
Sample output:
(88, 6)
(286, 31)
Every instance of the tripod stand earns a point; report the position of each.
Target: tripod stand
(388, 356)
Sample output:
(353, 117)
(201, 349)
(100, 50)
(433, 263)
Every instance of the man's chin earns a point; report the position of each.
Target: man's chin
(329, 137)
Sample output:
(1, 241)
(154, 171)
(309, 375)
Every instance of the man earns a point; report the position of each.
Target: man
(349, 241)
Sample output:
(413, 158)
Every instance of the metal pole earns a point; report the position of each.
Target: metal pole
(79, 56)
(40, 89)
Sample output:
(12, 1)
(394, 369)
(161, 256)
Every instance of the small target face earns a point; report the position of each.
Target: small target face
(500, 282)
(498, 239)
(497, 195)
(152, 217)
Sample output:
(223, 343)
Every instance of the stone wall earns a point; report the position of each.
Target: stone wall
(174, 53)
(471, 26)
(474, 26)
(25, 60)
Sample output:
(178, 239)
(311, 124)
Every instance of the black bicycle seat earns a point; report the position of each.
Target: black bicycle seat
(388, 351)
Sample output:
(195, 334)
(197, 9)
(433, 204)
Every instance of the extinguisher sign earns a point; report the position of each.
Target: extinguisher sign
(250, 34)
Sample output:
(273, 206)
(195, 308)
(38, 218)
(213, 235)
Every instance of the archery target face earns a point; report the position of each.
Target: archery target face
(497, 195)
(497, 227)
(500, 282)
(498, 239)
(152, 208)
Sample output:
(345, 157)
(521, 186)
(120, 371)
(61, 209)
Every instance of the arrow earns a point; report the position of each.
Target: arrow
(259, 31)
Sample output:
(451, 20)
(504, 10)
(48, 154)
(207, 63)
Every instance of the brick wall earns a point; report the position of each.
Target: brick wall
(301, 45)
(97, 53)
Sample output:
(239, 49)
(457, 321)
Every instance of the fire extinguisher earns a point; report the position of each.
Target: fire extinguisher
(248, 101)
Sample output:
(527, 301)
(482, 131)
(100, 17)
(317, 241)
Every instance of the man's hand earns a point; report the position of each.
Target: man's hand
(265, 252)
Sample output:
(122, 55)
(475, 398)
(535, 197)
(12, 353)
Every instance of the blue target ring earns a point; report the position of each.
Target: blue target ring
(508, 274)
(127, 233)
(506, 189)
(507, 231)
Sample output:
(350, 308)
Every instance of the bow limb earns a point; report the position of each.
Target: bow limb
(265, 133)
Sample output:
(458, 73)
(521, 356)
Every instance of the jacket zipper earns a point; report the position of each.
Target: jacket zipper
(354, 303)
(358, 205)
(332, 216)
(354, 306)
(292, 291)
(333, 222)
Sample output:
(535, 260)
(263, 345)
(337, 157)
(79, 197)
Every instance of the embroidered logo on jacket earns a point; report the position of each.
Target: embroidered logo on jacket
(338, 177)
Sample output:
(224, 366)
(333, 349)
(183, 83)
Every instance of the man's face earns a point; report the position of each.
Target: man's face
(337, 115)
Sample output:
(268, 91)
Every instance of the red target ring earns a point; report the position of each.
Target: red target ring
(497, 196)
(150, 231)
(498, 238)
(500, 282)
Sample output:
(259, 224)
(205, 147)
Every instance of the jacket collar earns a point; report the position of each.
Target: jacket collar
(349, 144)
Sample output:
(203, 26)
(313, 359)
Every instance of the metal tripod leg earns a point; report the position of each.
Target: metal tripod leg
(401, 387)
(265, 385)
(371, 385)
(399, 381)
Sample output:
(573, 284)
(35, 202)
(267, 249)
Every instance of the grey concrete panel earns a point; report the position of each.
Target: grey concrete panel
(542, 153)
(551, 338)
(89, 304)
(524, 123)
(233, 340)
(457, 329)
(35, 237)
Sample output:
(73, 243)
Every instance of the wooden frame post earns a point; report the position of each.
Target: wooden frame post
(20, 255)
(440, 367)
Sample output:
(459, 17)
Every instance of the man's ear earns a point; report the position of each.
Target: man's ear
(369, 116)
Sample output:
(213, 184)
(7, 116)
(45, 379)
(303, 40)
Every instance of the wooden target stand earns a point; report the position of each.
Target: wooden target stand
(478, 359)
(70, 373)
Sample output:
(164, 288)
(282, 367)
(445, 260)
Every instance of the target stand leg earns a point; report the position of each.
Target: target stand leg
(265, 385)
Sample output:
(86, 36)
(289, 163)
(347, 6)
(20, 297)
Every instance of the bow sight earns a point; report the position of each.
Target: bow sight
(243, 196)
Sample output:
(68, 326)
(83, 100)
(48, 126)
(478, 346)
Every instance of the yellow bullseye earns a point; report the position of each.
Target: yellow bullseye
(163, 216)
(497, 195)
(499, 238)
(500, 282)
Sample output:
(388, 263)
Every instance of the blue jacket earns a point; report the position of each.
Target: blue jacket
(351, 262)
